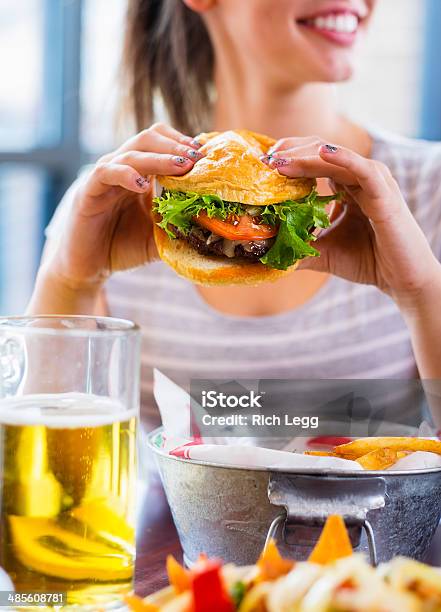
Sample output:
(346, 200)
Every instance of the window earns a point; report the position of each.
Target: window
(39, 134)
(387, 85)
(22, 78)
(101, 52)
(22, 197)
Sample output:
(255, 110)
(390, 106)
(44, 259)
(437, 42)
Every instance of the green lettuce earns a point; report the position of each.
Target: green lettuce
(178, 209)
(295, 219)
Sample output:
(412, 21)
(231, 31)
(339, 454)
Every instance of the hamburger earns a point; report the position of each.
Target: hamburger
(234, 220)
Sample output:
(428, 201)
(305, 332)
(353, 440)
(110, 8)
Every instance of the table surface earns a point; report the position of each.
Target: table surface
(157, 538)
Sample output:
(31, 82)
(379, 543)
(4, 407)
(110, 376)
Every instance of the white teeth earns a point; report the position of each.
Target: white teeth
(340, 23)
(351, 23)
(343, 23)
(331, 22)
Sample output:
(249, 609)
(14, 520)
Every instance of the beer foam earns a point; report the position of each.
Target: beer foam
(63, 410)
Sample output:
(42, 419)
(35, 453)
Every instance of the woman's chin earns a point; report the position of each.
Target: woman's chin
(340, 74)
(332, 70)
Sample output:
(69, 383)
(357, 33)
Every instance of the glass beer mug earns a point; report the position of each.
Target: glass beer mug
(69, 402)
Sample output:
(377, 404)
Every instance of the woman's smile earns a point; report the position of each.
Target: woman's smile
(340, 28)
(338, 24)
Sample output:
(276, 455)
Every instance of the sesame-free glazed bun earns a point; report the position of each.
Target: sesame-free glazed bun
(231, 169)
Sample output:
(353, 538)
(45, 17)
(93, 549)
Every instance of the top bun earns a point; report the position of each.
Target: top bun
(232, 170)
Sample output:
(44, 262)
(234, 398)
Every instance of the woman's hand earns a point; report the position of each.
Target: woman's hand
(109, 227)
(373, 238)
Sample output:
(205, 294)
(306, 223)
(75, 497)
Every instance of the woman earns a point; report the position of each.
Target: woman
(367, 308)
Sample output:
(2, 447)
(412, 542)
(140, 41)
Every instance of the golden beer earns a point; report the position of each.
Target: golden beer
(68, 477)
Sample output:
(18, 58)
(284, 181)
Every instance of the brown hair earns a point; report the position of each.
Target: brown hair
(168, 51)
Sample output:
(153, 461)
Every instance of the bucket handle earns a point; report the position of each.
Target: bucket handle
(282, 519)
(310, 499)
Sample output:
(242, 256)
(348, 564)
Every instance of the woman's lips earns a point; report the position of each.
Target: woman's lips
(340, 28)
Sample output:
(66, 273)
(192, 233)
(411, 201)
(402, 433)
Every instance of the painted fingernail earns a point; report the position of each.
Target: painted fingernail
(181, 161)
(195, 143)
(279, 161)
(194, 154)
(142, 182)
(330, 148)
(265, 158)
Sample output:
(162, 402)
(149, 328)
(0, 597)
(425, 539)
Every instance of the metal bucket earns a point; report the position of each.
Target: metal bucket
(229, 512)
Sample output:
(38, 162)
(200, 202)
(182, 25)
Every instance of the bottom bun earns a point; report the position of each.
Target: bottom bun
(211, 270)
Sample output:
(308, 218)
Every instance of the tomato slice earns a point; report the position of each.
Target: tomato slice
(236, 227)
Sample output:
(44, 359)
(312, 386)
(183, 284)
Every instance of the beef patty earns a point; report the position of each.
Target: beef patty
(207, 243)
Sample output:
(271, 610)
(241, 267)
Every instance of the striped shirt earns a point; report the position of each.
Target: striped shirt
(345, 331)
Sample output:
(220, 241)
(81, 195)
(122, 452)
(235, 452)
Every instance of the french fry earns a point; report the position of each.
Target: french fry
(333, 543)
(320, 453)
(363, 446)
(379, 459)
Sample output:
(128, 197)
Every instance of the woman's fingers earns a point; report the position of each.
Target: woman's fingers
(289, 143)
(302, 149)
(154, 163)
(107, 175)
(162, 144)
(378, 195)
(130, 169)
(310, 166)
(156, 142)
(340, 244)
(370, 175)
(170, 132)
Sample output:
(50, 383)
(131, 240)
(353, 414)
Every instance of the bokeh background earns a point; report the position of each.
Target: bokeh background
(59, 92)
